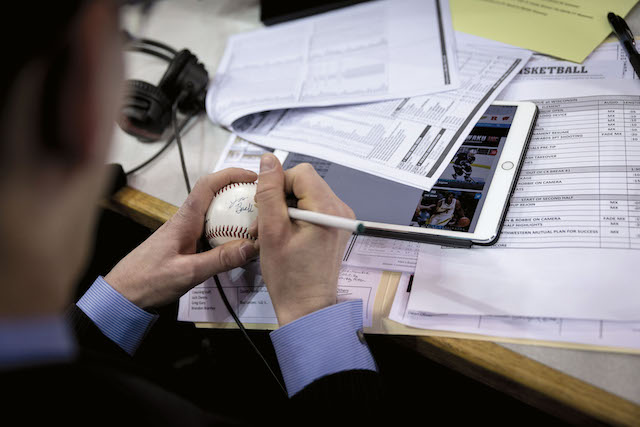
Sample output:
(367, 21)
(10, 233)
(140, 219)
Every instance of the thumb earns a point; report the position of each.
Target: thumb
(221, 258)
(273, 219)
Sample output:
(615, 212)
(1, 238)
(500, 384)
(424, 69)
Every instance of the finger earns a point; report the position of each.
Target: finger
(253, 228)
(221, 258)
(313, 192)
(273, 219)
(198, 201)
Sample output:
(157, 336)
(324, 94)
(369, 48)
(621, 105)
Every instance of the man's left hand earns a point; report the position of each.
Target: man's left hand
(166, 265)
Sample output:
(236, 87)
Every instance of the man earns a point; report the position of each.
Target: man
(462, 164)
(445, 210)
(59, 100)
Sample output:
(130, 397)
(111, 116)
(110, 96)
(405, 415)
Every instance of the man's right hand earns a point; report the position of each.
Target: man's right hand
(300, 261)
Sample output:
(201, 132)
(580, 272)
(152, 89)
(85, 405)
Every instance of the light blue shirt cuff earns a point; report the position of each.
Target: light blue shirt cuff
(119, 319)
(35, 341)
(322, 343)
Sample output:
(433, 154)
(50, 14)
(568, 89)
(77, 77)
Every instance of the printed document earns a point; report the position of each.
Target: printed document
(367, 52)
(599, 333)
(577, 199)
(606, 71)
(566, 29)
(247, 293)
(410, 140)
(378, 252)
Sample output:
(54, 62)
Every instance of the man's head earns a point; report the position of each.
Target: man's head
(59, 98)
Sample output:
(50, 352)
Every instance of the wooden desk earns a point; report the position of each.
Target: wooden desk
(512, 373)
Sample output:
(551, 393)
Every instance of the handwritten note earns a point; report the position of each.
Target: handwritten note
(241, 204)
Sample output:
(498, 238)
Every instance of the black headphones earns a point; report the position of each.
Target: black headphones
(147, 109)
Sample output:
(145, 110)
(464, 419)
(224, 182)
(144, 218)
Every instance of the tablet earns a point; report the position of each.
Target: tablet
(468, 203)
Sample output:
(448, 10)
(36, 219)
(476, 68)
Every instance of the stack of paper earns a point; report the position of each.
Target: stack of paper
(562, 270)
(374, 88)
(307, 95)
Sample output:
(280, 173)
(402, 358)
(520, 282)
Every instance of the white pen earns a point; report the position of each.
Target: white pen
(326, 220)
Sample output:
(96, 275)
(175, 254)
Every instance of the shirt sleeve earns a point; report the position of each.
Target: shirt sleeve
(322, 343)
(118, 319)
(35, 341)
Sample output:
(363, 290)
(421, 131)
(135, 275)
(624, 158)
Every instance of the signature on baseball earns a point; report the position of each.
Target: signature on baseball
(241, 204)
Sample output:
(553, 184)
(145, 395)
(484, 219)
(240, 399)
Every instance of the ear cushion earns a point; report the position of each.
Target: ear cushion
(145, 113)
(185, 73)
(169, 81)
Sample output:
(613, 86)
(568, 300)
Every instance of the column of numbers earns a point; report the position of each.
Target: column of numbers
(632, 144)
(614, 226)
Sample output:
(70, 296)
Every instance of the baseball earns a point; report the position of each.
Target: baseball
(230, 214)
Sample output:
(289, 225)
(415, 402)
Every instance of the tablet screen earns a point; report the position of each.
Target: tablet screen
(455, 201)
(467, 178)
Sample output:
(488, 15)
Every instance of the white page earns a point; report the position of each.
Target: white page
(409, 141)
(240, 153)
(606, 71)
(572, 233)
(248, 296)
(368, 52)
(378, 252)
(590, 332)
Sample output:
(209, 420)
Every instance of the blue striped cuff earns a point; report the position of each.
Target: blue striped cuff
(119, 319)
(322, 343)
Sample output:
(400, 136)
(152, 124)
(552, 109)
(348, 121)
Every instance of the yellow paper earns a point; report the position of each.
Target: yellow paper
(567, 29)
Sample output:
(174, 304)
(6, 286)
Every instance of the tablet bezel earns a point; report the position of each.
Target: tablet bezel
(502, 185)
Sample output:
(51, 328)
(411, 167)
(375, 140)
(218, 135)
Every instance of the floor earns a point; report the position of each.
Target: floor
(219, 369)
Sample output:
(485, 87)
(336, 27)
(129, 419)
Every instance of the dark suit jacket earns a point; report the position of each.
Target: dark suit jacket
(102, 386)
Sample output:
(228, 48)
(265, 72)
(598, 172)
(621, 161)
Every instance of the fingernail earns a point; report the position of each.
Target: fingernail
(247, 251)
(267, 162)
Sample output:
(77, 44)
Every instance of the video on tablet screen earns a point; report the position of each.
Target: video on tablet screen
(455, 202)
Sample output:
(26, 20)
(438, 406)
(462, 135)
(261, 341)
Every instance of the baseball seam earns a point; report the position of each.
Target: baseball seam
(230, 231)
(232, 185)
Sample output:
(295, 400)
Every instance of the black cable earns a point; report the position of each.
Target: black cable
(176, 133)
(138, 45)
(150, 52)
(244, 331)
(156, 44)
(168, 143)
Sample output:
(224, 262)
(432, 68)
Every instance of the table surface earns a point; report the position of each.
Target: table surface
(566, 382)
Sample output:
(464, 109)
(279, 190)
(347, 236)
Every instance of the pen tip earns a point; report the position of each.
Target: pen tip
(360, 228)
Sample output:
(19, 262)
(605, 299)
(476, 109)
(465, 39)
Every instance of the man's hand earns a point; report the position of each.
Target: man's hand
(300, 261)
(166, 265)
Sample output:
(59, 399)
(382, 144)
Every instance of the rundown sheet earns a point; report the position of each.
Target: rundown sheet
(248, 295)
(580, 182)
(410, 140)
(572, 234)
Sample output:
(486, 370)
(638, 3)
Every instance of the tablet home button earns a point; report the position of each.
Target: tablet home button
(507, 166)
